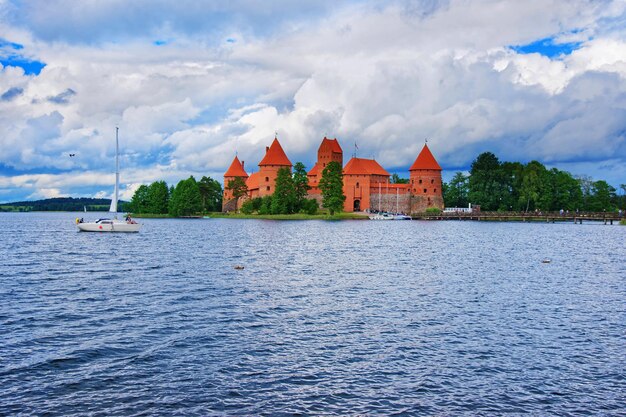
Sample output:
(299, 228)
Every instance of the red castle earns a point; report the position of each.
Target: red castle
(366, 184)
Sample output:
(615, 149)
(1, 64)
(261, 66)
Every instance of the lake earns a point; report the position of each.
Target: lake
(326, 318)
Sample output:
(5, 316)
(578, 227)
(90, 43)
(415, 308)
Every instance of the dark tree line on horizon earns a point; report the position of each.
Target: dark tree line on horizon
(513, 186)
(63, 204)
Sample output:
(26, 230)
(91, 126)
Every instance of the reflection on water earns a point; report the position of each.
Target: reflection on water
(348, 318)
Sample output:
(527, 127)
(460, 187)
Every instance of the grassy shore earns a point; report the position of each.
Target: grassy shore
(297, 216)
(151, 216)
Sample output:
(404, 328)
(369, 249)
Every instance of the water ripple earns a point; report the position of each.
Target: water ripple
(327, 318)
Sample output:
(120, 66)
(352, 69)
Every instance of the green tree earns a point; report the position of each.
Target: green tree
(139, 201)
(238, 187)
(487, 186)
(284, 197)
(211, 193)
(531, 185)
(455, 193)
(158, 198)
(603, 194)
(310, 206)
(395, 179)
(586, 188)
(561, 191)
(266, 205)
(300, 185)
(247, 207)
(512, 174)
(331, 185)
(185, 199)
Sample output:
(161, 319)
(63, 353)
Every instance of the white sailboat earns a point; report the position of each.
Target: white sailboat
(111, 225)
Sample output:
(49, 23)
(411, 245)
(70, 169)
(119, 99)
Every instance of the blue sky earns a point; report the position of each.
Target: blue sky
(192, 83)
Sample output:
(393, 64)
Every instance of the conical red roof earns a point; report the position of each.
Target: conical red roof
(236, 169)
(275, 155)
(425, 160)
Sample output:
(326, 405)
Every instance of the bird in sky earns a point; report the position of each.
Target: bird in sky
(72, 154)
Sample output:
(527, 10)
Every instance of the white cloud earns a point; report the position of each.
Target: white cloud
(385, 76)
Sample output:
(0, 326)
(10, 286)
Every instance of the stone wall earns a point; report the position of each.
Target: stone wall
(388, 202)
(419, 203)
(230, 205)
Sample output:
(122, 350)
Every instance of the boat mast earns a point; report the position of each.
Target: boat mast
(113, 208)
(397, 198)
(379, 197)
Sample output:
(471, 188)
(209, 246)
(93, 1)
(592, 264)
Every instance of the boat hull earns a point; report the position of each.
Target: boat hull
(115, 227)
(381, 217)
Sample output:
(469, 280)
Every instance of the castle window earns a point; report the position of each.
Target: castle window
(357, 185)
(425, 191)
(432, 181)
(268, 188)
(267, 179)
(434, 190)
(412, 181)
(420, 181)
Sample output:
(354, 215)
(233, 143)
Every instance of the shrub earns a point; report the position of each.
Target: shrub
(247, 207)
(433, 210)
(266, 205)
(256, 203)
(310, 206)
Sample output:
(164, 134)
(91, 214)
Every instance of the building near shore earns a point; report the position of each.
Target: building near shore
(366, 184)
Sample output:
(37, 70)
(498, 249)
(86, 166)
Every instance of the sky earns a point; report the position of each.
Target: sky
(192, 84)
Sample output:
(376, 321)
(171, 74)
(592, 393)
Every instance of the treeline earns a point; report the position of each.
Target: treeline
(189, 197)
(62, 204)
(513, 186)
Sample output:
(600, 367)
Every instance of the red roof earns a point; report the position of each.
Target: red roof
(315, 170)
(235, 169)
(253, 181)
(425, 160)
(332, 143)
(275, 155)
(360, 166)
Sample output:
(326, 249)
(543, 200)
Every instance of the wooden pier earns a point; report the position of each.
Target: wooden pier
(509, 216)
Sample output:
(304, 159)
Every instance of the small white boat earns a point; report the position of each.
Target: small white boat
(111, 225)
(401, 217)
(382, 216)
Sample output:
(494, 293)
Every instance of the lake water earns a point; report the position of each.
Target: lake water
(327, 318)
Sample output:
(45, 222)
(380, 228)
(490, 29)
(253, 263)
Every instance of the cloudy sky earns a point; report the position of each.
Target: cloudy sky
(190, 83)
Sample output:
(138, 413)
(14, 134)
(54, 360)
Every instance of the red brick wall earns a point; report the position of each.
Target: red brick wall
(426, 190)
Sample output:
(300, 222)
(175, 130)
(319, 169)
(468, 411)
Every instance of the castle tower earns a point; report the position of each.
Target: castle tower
(361, 177)
(329, 151)
(425, 180)
(235, 170)
(274, 159)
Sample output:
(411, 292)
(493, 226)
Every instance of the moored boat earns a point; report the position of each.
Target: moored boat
(111, 225)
